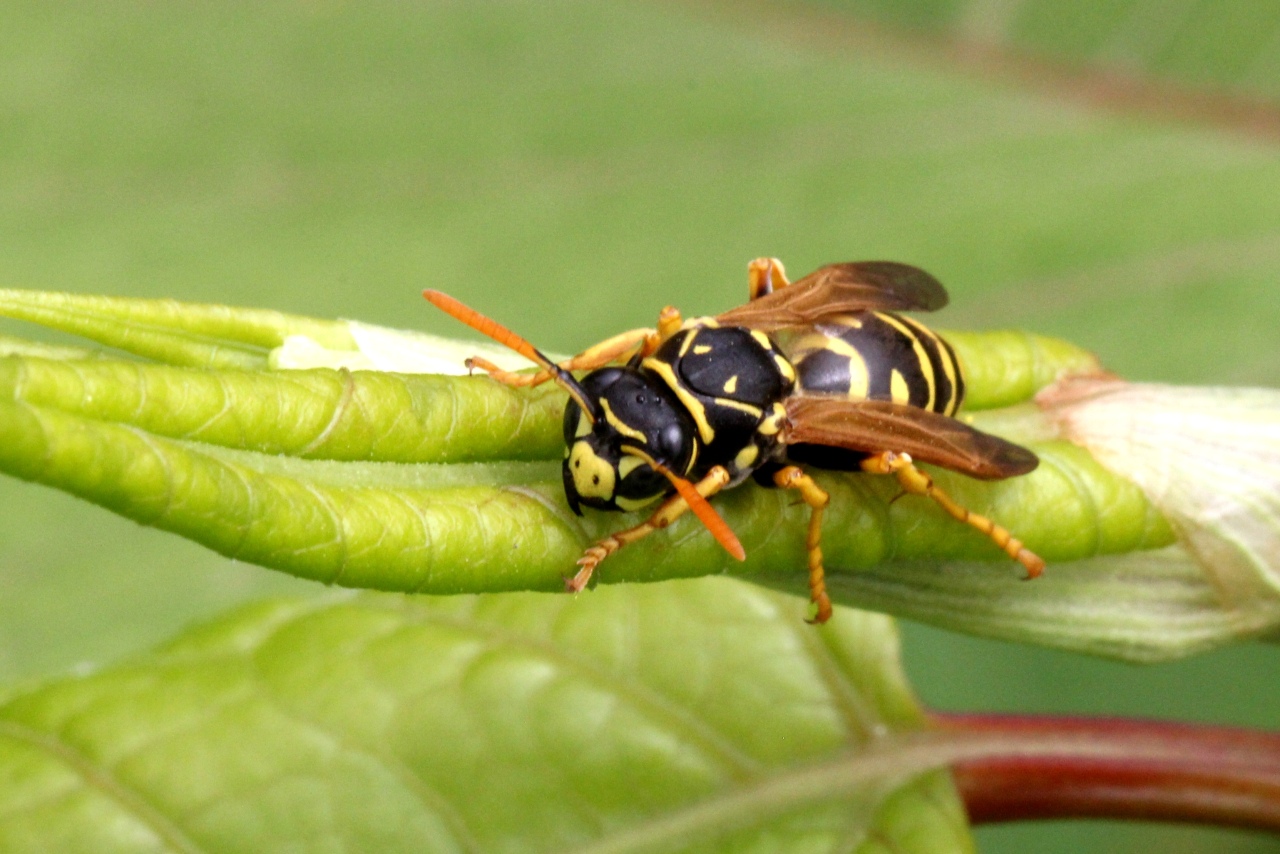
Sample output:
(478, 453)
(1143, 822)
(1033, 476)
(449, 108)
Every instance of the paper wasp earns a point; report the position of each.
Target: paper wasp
(820, 372)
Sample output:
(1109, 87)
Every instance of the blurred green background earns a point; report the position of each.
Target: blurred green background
(570, 167)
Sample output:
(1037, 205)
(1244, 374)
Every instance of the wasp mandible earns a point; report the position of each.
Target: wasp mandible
(821, 372)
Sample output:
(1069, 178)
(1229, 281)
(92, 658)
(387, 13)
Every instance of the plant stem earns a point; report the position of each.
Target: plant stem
(1118, 768)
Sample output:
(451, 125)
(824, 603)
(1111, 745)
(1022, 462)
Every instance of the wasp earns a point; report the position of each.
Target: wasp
(823, 372)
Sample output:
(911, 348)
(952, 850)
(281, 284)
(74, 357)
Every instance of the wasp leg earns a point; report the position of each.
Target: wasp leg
(764, 276)
(792, 477)
(669, 511)
(616, 349)
(669, 323)
(917, 482)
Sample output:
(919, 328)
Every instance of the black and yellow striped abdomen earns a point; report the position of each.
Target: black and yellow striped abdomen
(876, 355)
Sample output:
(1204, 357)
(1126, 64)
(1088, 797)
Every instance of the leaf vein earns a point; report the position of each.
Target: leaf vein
(99, 778)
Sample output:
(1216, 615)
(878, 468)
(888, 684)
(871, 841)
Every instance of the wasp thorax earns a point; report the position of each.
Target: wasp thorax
(636, 420)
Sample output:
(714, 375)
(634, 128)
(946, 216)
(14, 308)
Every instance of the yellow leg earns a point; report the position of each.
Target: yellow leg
(669, 323)
(917, 482)
(669, 511)
(764, 276)
(791, 477)
(616, 349)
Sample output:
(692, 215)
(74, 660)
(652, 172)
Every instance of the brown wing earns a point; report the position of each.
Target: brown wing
(841, 289)
(875, 426)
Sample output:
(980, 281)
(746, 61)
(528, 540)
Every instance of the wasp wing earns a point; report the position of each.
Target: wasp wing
(874, 426)
(841, 289)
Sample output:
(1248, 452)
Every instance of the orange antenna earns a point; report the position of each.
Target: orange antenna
(701, 508)
(504, 336)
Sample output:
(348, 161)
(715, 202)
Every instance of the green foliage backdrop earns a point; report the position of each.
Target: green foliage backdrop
(1223, 46)
(571, 167)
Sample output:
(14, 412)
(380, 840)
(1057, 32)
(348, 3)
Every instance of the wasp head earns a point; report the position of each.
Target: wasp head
(637, 419)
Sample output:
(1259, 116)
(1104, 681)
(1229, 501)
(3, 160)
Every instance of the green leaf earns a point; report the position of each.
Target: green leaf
(698, 716)
(427, 483)
(428, 528)
(1208, 459)
(379, 480)
(213, 336)
(323, 414)
(1007, 368)
(1224, 47)
(574, 167)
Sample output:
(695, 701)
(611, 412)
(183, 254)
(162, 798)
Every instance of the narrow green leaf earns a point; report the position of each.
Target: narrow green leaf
(1008, 367)
(1003, 368)
(195, 334)
(324, 414)
(698, 716)
(331, 475)
(428, 483)
(13, 346)
(396, 527)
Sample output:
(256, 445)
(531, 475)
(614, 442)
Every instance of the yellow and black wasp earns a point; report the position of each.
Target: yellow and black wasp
(821, 372)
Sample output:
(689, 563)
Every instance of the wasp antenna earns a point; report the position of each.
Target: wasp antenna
(493, 329)
(707, 514)
(701, 508)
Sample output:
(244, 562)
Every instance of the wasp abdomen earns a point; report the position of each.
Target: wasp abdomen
(876, 355)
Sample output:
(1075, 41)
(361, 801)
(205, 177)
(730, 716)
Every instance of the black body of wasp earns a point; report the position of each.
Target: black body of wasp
(706, 397)
(821, 372)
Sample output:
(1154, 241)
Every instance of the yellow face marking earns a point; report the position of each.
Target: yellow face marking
(746, 457)
(696, 410)
(627, 465)
(592, 476)
(635, 503)
(926, 366)
(584, 427)
(618, 424)
(731, 385)
(898, 388)
(702, 349)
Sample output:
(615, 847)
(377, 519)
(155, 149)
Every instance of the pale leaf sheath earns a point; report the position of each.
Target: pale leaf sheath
(1207, 460)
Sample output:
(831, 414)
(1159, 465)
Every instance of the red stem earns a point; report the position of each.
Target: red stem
(1111, 768)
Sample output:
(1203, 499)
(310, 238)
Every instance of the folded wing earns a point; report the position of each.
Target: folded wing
(875, 426)
(841, 289)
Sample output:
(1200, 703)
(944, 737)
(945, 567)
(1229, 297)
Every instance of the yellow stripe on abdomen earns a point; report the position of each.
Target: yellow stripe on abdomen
(950, 368)
(917, 347)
